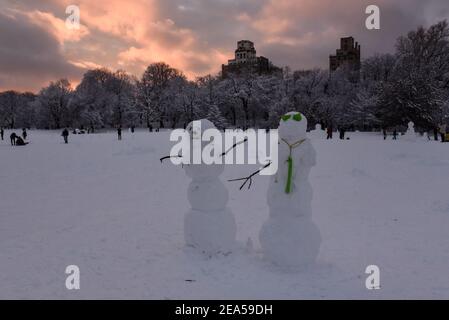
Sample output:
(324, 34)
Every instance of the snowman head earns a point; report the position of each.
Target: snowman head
(195, 130)
(293, 127)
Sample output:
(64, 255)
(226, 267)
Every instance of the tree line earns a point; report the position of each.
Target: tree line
(389, 90)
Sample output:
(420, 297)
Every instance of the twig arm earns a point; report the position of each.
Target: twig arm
(168, 157)
(233, 146)
(250, 177)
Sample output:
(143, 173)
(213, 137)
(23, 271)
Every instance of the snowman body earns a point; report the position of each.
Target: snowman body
(209, 226)
(300, 196)
(289, 237)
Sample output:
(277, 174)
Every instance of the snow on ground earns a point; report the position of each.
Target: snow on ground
(114, 210)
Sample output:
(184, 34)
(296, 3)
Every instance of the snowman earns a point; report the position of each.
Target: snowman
(289, 237)
(410, 134)
(209, 226)
(318, 132)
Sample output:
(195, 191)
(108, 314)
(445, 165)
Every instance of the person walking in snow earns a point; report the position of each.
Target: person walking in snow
(384, 131)
(24, 133)
(435, 133)
(119, 133)
(65, 135)
(329, 132)
(2, 132)
(442, 128)
(395, 134)
(342, 133)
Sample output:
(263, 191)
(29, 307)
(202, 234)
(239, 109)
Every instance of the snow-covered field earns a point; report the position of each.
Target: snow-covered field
(114, 210)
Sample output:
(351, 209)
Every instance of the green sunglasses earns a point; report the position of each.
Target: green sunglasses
(296, 117)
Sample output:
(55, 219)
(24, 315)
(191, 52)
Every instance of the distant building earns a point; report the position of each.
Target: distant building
(348, 54)
(246, 61)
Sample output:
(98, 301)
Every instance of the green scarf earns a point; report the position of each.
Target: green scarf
(288, 186)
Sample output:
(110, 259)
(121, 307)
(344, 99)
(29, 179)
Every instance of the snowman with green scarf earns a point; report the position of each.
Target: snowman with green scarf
(289, 237)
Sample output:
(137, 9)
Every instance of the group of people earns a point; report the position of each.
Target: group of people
(341, 132)
(440, 130)
(65, 133)
(395, 133)
(16, 140)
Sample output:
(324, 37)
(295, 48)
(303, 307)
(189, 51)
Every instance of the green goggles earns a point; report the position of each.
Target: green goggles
(296, 117)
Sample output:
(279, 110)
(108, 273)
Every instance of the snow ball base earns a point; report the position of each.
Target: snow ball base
(290, 241)
(210, 232)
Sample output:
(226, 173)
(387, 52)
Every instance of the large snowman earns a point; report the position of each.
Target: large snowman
(209, 225)
(289, 237)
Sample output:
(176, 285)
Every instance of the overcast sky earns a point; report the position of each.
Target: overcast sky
(195, 36)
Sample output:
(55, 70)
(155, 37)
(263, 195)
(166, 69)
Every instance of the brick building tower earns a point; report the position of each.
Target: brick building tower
(348, 54)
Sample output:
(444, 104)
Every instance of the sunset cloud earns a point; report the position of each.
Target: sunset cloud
(30, 55)
(195, 36)
(55, 26)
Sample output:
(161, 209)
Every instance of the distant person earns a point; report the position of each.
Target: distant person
(2, 132)
(119, 133)
(65, 135)
(329, 132)
(443, 132)
(342, 132)
(132, 129)
(384, 131)
(24, 133)
(13, 138)
(20, 142)
(395, 134)
(435, 133)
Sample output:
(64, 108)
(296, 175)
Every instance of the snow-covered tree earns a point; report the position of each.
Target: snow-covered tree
(152, 96)
(210, 93)
(378, 68)
(16, 109)
(93, 102)
(309, 94)
(216, 117)
(420, 81)
(121, 87)
(339, 91)
(361, 111)
(52, 103)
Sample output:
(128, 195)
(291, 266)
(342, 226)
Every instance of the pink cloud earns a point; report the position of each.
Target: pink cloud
(53, 25)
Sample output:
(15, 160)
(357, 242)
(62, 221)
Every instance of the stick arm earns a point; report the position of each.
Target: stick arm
(250, 177)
